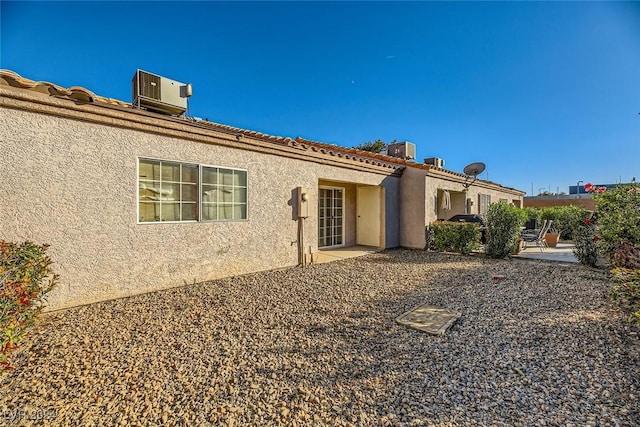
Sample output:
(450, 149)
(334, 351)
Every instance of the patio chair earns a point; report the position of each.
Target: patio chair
(531, 225)
(538, 237)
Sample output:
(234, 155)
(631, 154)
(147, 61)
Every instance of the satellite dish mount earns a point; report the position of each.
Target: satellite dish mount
(471, 173)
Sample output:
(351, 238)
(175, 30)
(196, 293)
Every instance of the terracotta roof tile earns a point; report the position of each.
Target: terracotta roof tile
(365, 155)
(79, 93)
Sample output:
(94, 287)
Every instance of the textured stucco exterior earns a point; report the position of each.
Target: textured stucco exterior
(73, 184)
(436, 182)
(413, 208)
(69, 178)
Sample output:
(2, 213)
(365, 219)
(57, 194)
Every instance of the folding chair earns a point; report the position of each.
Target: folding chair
(538, 238)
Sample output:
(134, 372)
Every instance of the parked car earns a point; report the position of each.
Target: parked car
(473, 218)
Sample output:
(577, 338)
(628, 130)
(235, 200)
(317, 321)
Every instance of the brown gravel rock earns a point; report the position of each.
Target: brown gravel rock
(319, 346)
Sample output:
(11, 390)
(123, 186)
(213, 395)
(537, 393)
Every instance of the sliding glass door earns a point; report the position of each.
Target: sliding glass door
(330, 217)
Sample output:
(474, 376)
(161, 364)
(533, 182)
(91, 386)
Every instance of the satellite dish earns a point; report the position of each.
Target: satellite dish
(474, 169)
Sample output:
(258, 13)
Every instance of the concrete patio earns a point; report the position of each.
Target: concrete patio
(563, 252)
(336, 254)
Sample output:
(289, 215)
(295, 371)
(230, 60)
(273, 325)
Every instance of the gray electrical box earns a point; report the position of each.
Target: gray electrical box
(303, 202)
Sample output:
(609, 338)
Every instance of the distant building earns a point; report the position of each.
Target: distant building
(573, 189)
(577, 197)
(584, 200)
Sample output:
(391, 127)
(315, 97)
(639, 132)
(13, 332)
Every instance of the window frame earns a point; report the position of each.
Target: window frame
(343, 217)
(200, 167)
(200, 184)
(484, 200)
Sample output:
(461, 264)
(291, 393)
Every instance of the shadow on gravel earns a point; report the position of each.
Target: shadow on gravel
(319, 346)
(543, 345)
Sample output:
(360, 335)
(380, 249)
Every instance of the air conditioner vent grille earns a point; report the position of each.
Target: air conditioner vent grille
(150, 86)
(159, 94)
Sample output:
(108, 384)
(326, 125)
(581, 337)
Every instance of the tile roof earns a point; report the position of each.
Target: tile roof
(77, 93)
(321, 147)
(10, 78)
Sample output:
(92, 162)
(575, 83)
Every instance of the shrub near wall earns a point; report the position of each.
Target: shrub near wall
(25, 278)
(619, 226)
(616, 236)
(504, 223)
(585, 242)
(616, 223)
(619, 217)
(461, 237)
(565, 218)
(626, 273)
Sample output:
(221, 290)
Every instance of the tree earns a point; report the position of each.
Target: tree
(375, 147)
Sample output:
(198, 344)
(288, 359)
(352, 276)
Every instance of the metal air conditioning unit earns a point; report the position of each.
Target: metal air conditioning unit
(405, 150)
(159, 94)
(434, 161)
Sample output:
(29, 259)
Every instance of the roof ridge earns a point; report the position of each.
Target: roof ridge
(14, 79)
(364, 153)
(79, 93)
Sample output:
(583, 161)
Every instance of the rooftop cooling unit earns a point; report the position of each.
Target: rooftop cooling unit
(434, 161)
(159, 94)
(404, 150)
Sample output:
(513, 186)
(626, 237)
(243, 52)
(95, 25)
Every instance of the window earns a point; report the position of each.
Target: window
(483, 203)
(174, 191)
(224, 194)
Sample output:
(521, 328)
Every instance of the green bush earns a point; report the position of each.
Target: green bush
(619, 222)
(503, 229)
(429, 238)
(551, 214)
(627, 290)
(617, 238)
(618, 217)
(25, 278)
(461, 237)
(586, 242)
(569, 218)
(626, 255)
(565, 219)
(532, 214)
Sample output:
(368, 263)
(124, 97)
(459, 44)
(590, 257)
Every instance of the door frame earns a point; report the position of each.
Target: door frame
(342, 230)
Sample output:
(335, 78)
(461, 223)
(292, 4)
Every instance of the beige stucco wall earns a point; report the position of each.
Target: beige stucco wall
(72, 184)
(412, 211)
(435, 185)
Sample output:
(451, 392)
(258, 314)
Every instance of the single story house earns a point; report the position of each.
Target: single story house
(133, 201)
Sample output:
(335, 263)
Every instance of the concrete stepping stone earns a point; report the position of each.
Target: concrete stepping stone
(429, 318)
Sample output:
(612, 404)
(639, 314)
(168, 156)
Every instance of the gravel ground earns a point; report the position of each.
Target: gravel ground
(319, 346)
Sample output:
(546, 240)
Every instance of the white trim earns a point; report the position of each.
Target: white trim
(201, 218)
(199, 191)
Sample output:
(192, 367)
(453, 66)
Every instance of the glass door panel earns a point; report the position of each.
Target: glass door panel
(330, 215)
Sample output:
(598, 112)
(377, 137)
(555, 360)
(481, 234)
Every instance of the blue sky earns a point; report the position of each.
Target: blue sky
(544, 93)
